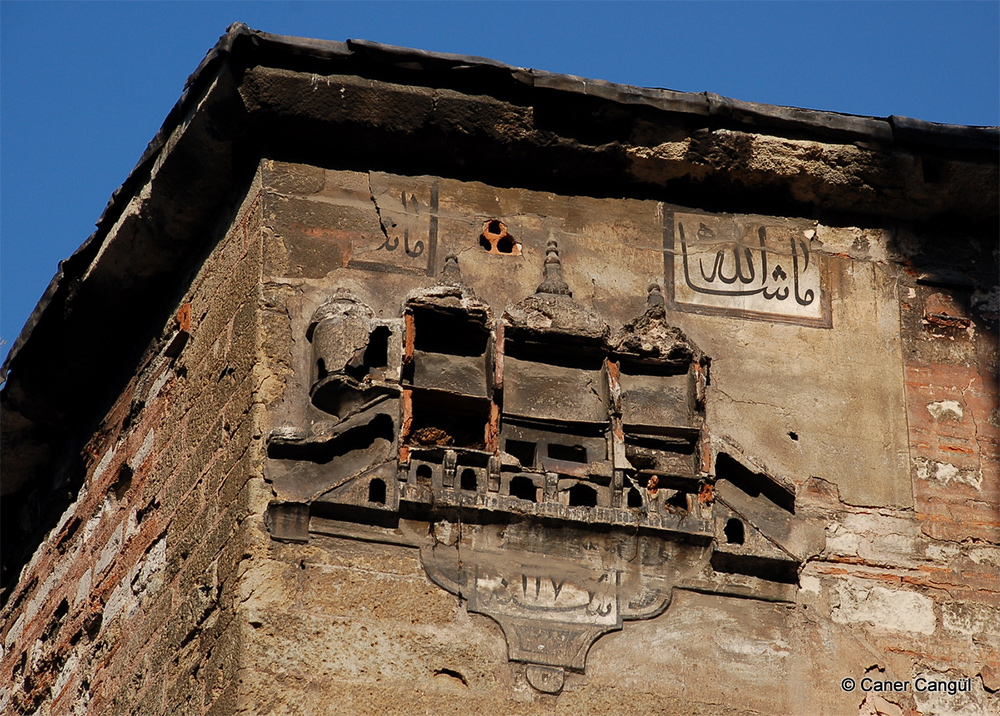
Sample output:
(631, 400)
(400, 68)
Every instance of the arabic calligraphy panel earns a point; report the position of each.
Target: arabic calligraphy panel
(407, 210)
(590, 599)
(731, 265)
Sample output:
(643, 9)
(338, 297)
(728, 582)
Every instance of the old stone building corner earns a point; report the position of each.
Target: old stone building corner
(399, 382)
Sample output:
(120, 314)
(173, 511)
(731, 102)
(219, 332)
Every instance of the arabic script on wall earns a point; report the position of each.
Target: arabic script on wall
(724, 265)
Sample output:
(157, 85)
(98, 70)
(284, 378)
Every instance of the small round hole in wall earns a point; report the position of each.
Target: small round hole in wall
(496, 240)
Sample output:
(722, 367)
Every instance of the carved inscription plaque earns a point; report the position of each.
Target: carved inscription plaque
(732, 265)
(407, 211)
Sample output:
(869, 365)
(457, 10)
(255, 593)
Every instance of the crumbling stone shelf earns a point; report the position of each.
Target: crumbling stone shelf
(683, 525)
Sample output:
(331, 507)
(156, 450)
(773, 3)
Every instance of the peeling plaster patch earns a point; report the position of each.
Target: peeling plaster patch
(66, 516)
(947, 473)
(151, 570)
(103, 465)
(892, 609)
(876, 538)
(35, 654)
(875, 705)
(946, 409)
(940, 703)
(111, 549)
(83, 588)
(443, 533)
(860, 243)
(158, 384)
(736, 643)
(38, 601)
(94, 522)
(809, 584)
(841, 541)
(15, 632)
(131, 525)
(944, 552)
(66, 673)
(120, 598)
(989, 555)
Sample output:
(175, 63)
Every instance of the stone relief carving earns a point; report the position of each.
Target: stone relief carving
(555, 475)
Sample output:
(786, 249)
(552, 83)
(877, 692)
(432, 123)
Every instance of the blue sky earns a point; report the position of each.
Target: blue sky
(85, 85)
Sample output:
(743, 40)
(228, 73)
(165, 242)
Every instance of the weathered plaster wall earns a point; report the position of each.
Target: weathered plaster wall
(829, 386)
(884, 426)
(129, 606)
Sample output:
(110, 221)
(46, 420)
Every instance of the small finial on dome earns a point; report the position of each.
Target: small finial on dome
(450, 273)
(553, 282)
(654, 297)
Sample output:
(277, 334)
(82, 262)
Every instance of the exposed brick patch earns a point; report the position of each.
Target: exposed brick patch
(954, 451)
(104, 605)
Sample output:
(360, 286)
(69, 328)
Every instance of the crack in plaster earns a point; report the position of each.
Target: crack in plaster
(778, 408)
(378, 211)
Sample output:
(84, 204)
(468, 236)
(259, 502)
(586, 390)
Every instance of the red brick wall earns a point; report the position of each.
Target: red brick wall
(126, 607)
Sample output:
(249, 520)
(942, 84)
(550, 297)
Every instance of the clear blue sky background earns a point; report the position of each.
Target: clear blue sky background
(85, 85)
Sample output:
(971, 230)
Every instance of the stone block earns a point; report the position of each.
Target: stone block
(374, 597)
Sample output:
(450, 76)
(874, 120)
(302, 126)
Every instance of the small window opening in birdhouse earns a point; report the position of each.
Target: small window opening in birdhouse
(376, 491)
(581, 495)
(634, 498)
(524, 488)
(568, 453)
(522, 450)
(678, 501)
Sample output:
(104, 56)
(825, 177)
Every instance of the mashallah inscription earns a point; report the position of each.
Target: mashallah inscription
(733, 265)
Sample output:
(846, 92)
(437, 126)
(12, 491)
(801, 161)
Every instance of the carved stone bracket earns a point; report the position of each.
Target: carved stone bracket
(553, 601)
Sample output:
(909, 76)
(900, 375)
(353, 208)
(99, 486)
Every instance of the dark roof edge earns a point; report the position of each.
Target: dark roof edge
(73, 267)
(889, 129)
(852, 127)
